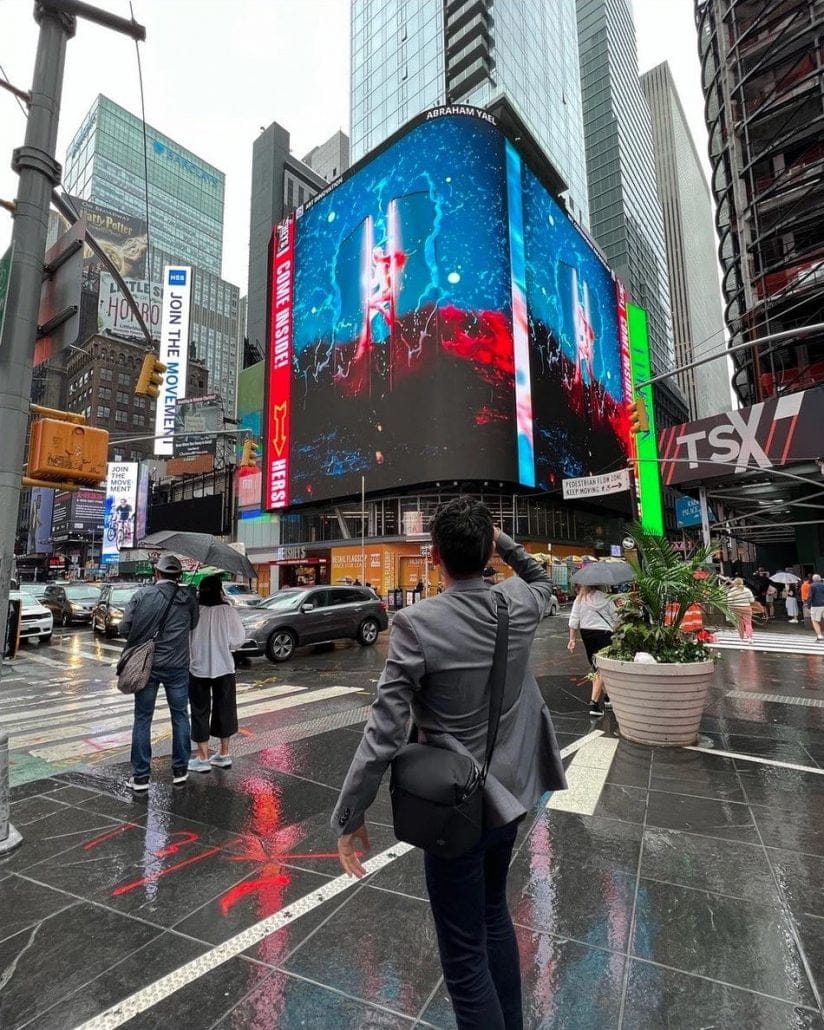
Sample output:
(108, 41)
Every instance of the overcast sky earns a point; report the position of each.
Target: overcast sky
(217, 71)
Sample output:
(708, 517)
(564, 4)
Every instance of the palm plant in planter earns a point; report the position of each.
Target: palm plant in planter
(656, 674)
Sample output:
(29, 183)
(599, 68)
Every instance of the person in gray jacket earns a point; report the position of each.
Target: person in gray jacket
(143, 615)
(437, 671)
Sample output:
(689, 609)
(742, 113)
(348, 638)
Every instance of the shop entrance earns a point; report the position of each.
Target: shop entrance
(305, 573)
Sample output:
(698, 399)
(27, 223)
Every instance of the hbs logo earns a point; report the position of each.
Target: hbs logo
(177, 276)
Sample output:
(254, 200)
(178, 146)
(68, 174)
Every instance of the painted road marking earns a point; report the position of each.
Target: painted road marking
(776, 699)
(757, 759)
(156, 992)
(778, 643)
(586, 776)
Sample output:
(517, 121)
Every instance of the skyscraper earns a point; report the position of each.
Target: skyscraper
(330, 159)
(625, 213)
(763, 78)
(104, 163)
(695, 294)
(415, 54)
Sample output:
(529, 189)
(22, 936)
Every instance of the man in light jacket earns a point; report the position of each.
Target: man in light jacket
(437, 670)
(143, 616)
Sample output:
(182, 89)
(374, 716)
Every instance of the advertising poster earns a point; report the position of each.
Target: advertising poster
(114, 313)
(248, 480)
(174, 353)
(197, 423)
(142, 502)
(437, 316)
(119, 509)
(40, 521)
(122, 237)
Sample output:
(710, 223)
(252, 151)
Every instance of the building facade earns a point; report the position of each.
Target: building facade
(695, 295)
(280, 183)
(423, 53)
(330, 159)
(625, 213)
(762, 71)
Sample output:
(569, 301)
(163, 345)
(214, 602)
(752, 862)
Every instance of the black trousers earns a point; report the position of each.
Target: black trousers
(476, 938)
(213, 704)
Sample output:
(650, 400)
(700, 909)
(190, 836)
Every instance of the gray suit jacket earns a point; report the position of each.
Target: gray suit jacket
(437, 670)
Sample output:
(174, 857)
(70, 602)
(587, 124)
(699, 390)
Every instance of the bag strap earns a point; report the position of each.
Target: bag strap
(497, 681)
(165, 614)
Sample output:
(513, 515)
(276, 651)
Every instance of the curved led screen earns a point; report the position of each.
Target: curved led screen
(436, 316)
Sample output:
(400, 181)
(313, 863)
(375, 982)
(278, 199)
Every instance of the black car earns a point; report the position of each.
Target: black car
(312, 615)
(70, 602)
(108, 612)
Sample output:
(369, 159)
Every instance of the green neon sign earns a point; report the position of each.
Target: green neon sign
(650, 497)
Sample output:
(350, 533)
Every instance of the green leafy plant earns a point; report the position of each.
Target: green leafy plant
(665, 587)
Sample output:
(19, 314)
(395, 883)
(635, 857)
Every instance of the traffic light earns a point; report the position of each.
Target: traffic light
(251, 454)
(638, 418)
(64, 450)
(151, 377)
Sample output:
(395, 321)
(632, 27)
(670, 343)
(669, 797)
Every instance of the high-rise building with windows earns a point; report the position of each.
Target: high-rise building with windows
(416, 54)
(331, 158)
(762, 71)
(695, 294)
(105, 164)
(625, 213)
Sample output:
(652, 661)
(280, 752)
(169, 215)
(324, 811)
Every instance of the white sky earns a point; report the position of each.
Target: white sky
(216, 71)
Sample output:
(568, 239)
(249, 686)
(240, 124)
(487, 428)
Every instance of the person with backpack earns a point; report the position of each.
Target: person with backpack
(168, 613)
(212, 685)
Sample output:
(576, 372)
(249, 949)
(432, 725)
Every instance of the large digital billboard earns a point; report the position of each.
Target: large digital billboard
(436, 316)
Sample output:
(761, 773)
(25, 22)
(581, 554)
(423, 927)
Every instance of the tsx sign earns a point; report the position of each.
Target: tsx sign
(766, 435)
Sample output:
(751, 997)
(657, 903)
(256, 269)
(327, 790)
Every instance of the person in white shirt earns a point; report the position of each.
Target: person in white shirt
(212, 689)
(594, 614)
(740, 599)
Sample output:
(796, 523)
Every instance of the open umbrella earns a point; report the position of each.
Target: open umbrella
(600, 574)
(785, 577)
(203, 547)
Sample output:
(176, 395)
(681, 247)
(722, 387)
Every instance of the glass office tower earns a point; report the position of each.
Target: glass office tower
(104, 163)
(410, 55)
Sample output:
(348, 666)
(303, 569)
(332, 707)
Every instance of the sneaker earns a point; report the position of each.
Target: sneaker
(199, 765)
(221, 761)
(607, 702)
(596, 709)
(138, 783)
(180, 776)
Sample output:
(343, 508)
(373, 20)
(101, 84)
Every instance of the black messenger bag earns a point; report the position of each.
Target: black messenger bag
(438, 795)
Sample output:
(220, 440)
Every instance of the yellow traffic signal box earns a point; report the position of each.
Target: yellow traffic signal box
(67, 451)
(251, 454)
(638, 418)
(151, 377)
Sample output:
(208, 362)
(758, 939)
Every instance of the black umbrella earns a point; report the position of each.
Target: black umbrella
(604, 574)
(204, 548)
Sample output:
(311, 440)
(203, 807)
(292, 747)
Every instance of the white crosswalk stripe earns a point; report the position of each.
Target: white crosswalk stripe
(779, 643)
(92, 725)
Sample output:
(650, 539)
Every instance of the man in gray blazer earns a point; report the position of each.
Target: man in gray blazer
(437, 672)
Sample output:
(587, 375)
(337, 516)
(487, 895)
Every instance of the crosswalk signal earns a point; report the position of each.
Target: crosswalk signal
(151, 377)
(64, 451)
(638, 418)
(250, 455)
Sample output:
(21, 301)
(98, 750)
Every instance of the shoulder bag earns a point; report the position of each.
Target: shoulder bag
(438, 795)
(135, 664)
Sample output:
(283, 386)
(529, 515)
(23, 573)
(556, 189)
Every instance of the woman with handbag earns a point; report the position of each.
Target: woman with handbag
(212, 696)
(593, 615)
(458, 665)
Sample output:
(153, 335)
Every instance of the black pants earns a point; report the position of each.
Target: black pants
(594, 640)
(214, 707)
(476, 938)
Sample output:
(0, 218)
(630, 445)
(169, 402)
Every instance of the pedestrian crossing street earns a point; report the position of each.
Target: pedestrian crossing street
(764, 640)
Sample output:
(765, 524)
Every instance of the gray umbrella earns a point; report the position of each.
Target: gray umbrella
(603, 574)
(204, 548)
(785, 577)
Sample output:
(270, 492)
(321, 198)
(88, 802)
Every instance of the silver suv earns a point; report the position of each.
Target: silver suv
(292, 618)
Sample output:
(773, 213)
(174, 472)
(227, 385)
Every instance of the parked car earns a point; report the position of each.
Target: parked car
(292, 618)
(551, 605)
(70, 602)
(241, 596)
(36, 621)
(108, 612)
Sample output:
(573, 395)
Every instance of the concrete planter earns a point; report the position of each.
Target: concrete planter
(658, 704)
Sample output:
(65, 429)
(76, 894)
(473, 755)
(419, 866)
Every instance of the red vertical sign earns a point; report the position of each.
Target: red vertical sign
(279, 359)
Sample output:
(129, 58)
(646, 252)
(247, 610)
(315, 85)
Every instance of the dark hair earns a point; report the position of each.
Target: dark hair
(210, 591)
(462, 531)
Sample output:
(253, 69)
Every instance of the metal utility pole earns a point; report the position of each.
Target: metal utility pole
(39, 173)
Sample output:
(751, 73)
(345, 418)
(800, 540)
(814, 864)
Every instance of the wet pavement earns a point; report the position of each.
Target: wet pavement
(667, 888)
